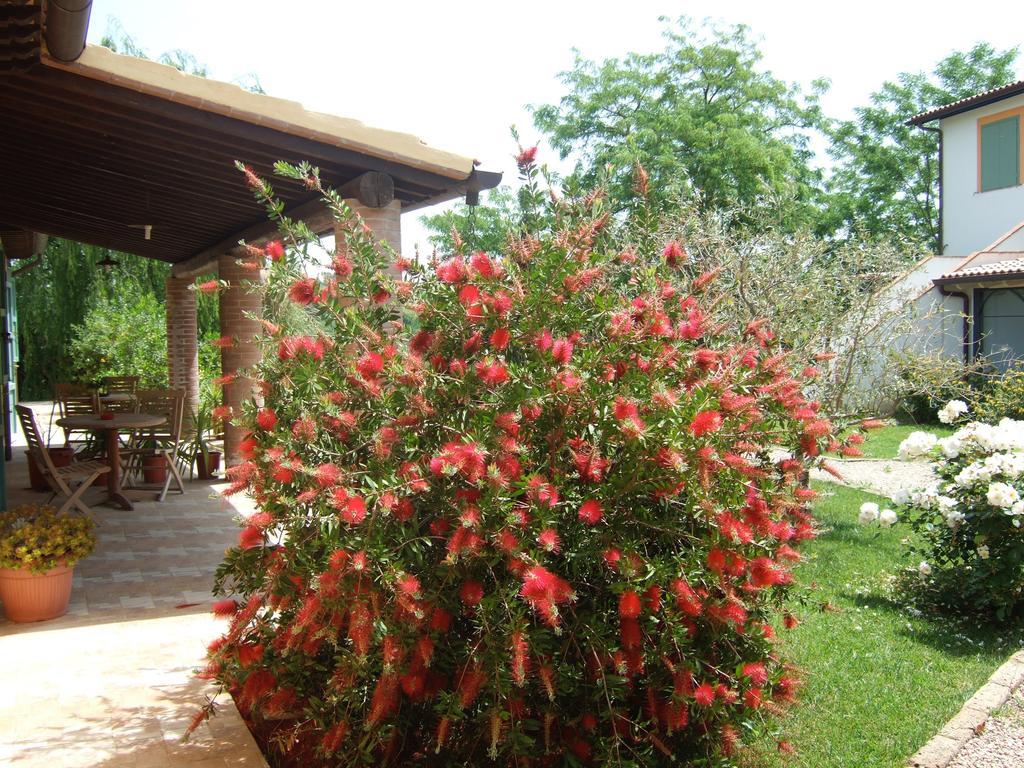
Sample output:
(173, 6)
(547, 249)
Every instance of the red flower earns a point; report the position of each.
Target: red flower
(674, 253)
(452, 271)
(251, 537)
(266, 419)
(549, 540)
(526, 157)
(491, 373)
(500, 339)
(275, 250)
(224, 608)
(210, 286)
(704, 695)
(561, 351)
(369, 365)
(590, 512)
(705, 422)
(629, 604)
(471, 593)
(303, 291)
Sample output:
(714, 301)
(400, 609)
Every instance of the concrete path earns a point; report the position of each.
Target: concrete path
(110, 684)
(881, 476)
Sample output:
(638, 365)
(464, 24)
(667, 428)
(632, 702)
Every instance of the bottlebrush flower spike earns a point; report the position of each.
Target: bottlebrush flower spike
(590, 512)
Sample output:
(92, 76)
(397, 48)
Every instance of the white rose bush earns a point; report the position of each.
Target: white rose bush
(969, 524)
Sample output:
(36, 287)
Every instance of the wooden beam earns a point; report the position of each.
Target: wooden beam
(312, 212)
(373, 189)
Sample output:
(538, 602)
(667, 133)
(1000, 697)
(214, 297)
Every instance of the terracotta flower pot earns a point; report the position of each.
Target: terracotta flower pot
(208, 469)
(61, 457)
(31, 596)
(154, 469)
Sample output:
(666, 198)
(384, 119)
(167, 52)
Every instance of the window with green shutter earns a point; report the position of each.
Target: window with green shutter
(1000, 154)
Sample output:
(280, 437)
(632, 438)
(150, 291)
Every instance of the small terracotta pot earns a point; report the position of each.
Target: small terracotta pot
(61, 457)
(208, 469)
(154, 469)
(31, 596)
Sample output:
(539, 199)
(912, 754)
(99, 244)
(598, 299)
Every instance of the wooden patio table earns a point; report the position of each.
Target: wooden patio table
(110, 428)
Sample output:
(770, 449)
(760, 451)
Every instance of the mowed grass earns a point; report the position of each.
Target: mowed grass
(878, 682)
(883, 443)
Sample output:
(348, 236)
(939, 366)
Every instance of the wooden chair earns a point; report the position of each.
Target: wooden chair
(120, 385)
(59, 479)
(164, 440)
(72, 400)
(122, 390)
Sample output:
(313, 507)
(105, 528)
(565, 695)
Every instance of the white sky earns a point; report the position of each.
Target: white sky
(458, 74)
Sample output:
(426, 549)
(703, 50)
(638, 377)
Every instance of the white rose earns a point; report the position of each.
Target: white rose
(868, 513)
(902, 496)
(952, 410)
(1017, 508)
(1002, 495)
(983, 552)
(916, 445)
(887, 518)
(954, 518)
(951, 446)
(924, 569)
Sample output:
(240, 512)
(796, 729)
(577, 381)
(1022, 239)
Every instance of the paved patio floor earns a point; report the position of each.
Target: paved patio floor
(110, 684)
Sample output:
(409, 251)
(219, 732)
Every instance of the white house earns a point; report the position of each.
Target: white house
(970, 298)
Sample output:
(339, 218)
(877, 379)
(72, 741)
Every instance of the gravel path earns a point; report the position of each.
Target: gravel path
(1001, 745)
(883, 477)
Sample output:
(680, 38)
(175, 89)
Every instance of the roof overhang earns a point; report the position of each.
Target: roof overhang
(971, 102)
(135, 156)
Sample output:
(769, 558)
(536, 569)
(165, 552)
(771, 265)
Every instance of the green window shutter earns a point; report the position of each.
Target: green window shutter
(1000, 154)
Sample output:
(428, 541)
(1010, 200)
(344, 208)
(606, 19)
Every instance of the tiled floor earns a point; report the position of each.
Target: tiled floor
(110, 684)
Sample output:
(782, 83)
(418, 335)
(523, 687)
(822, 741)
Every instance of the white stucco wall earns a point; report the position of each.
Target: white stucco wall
(973, 220)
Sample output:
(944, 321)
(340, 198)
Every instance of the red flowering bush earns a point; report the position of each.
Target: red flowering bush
(519, 508)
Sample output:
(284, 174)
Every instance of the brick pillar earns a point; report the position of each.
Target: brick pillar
(236, 302)
(385, 222)
(183, 342)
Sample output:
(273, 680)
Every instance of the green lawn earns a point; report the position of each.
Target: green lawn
(883, 443)
(879, 682)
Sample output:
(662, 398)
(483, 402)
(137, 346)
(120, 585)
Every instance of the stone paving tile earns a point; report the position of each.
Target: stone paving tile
(110, 684)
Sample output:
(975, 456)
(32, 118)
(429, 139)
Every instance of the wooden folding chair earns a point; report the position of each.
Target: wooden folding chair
(164, 440)
(59, 479)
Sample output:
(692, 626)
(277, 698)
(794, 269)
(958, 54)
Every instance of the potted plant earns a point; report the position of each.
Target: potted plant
(205, 456)
(38, 552)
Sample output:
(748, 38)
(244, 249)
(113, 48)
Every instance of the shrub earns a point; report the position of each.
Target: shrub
(969, 524)
(545, 527)
(1002, 397)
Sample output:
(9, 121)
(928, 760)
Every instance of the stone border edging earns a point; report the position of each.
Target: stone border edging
(945, 745)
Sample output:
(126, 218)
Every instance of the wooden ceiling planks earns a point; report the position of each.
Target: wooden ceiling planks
(92, 161)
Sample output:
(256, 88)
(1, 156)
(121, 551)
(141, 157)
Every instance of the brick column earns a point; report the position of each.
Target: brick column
(183, 342)
(385, 222)
(240, 310)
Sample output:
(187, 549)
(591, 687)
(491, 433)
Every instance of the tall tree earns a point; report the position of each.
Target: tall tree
(703, 116)
(886, 180)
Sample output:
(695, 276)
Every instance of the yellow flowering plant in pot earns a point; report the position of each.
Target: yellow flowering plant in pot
(38, 552)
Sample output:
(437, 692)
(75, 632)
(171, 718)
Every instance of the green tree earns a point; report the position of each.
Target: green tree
(703, 117)
(121, 336)
(483, 227)
(886, 181)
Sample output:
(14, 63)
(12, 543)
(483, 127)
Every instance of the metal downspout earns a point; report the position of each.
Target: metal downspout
(66, 26)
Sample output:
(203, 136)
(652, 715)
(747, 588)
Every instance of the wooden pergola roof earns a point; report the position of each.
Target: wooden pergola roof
(97, 149)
